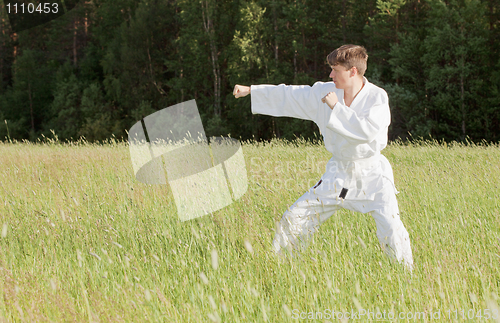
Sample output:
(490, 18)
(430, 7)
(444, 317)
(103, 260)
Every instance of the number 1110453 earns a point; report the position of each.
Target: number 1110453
(32, 8)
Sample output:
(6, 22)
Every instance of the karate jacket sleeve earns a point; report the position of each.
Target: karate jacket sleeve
(296, 101)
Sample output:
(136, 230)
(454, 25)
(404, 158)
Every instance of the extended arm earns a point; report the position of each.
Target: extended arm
(296, 101)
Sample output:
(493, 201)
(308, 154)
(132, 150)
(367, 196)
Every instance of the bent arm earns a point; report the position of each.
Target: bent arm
(360, 129)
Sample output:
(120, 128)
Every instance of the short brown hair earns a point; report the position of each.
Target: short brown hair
(349, 56)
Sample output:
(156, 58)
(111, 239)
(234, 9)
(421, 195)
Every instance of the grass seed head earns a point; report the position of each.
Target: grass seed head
(4, 230)
(329, 283)
(204, 278)
(357, 303)
(95, 255)
(361, 242)
(53, 284)
(215, 259)
(248, 246)
(303, 275)
(197, 236)
(214, 317)
(358, 288)
(147, 295)
(79, 257)
(212, 302)
(287, 311)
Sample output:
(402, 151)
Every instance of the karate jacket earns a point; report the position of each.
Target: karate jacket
(354, 135)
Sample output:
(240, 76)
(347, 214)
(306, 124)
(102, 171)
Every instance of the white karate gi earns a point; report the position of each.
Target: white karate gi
(355, 136)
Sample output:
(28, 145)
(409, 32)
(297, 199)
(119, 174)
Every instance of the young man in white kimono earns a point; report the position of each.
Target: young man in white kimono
(353, 116)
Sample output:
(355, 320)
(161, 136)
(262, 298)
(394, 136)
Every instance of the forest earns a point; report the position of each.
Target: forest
(99, 68)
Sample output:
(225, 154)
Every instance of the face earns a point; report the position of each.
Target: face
(341, 76)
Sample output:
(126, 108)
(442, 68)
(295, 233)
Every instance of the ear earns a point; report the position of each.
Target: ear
(354, 71)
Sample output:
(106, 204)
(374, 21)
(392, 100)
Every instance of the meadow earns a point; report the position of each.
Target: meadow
(82, 240)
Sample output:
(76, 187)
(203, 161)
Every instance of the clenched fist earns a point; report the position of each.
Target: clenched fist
(330, 99)
(241, 91)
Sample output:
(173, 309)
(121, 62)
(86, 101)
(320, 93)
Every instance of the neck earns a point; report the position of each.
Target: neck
(351, 92)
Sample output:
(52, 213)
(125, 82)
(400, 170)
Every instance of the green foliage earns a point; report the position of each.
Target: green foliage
(455, 51)
(96, 114)
(437, 60)
(442, 70)
(24, 102)
(249, 39)
(65, 108)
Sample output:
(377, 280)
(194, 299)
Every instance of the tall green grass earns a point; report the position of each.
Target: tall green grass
(82, 240)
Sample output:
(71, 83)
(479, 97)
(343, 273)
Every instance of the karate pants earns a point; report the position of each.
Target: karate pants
(304, 217)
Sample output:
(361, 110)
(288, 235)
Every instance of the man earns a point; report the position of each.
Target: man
(353, 116)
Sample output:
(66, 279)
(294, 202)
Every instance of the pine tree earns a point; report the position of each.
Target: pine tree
(455, 49)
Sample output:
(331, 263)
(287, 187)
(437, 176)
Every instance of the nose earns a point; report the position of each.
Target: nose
(331, 74)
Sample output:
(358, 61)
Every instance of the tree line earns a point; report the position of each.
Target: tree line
(100, 68)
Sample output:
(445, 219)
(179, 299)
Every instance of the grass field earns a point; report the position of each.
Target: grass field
(82, 240)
